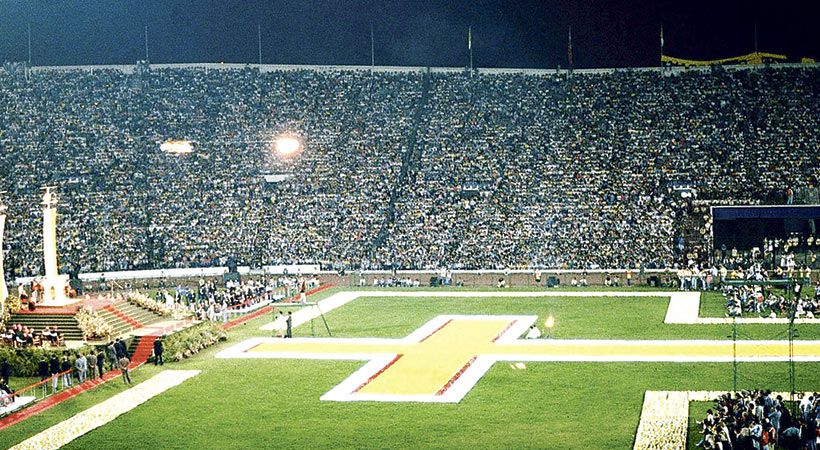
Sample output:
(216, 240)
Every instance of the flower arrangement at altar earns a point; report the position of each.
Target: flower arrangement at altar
(143, 301)
(91, 324)
(12, 306)
(191, 341)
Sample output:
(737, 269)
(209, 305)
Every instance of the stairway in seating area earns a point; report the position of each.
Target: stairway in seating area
(124, 317)
(66, 324)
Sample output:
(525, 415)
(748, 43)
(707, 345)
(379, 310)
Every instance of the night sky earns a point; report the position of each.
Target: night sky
(605, 33)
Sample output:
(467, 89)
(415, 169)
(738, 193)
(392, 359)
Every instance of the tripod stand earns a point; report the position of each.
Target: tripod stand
(322, 315)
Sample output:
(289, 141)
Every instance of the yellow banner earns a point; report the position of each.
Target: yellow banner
(751, 58)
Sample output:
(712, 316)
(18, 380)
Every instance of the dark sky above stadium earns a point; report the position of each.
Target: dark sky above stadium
(506, 33)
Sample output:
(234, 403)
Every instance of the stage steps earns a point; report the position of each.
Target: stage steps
(140, 349)
(66, 324)
(124, 317)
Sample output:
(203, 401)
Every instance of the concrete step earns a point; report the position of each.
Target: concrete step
(136, 317)
(138, 313)
(118, 326)
(66, 324)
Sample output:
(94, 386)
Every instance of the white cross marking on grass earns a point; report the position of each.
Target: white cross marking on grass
(443, 359)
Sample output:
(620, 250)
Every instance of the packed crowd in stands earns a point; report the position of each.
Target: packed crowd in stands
(758, 420)
(125, 204)
(408, 170)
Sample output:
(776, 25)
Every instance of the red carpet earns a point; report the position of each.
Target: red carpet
(95, 302)
(262, 311)
(144, 349)
(123, 317)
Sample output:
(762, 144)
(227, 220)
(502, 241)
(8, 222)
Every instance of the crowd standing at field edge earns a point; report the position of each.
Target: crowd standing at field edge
(754, 420)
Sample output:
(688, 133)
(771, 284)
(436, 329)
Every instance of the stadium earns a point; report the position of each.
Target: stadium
(360, 254)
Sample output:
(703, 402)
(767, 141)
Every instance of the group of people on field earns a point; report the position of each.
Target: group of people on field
(761, 420)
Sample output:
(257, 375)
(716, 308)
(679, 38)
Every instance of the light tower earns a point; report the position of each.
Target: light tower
(53, 283)
(4, 292)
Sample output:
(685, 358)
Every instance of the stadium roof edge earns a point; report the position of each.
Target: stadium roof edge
(129, 68)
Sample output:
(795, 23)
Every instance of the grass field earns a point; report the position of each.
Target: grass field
(239, 403)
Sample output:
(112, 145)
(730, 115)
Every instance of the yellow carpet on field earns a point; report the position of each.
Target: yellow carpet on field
(425, 368)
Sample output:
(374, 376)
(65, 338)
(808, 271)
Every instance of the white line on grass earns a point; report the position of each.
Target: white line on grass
(683, 308)
(306, 314)
(104, 412)
(563, 350)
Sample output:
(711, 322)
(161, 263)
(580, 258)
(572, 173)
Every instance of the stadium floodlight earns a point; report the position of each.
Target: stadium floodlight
(177, 147)
(288, 145)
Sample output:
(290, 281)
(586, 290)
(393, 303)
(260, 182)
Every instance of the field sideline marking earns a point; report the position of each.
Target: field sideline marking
(105, 412)
(683, 306)
(685, 309)
(679, 313)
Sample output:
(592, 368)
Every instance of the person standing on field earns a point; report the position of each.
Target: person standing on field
(91, 363)
(112, 355)
(289, 332)
(100, 362)
(81, 366)
(159, 348)
(126, 373)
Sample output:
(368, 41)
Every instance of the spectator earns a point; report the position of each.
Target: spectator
(54, 371)
(91, 363)
(501, 170)
(5, 370)
(43, 369)
(65, 367)
(113, 358)
(100, 361)
(81, 365)
(124, 364)
(159, 348)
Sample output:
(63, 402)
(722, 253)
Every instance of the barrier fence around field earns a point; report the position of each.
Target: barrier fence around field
(44, 388)
(468, 277)
(43, 384)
